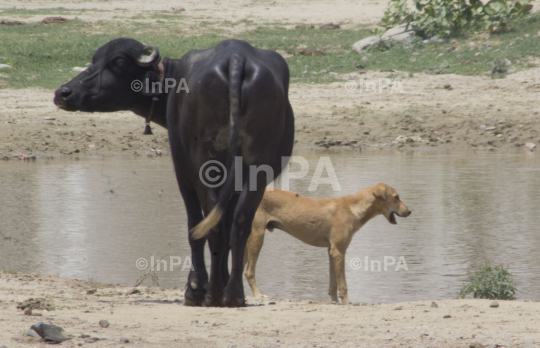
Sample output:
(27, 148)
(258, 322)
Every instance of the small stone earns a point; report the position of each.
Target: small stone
(271, 303)
(398, 308)
(477, 54)
(91, 291)
(530, 146)
(526, 35)
(133, 291)
(476, 345)
(194, 321)
(494, 304)
(364, 59)
(104, 323)
(447, 86)
(28, 311)
(124, 340)
(483, 127)
(447, 316)
(434, 304)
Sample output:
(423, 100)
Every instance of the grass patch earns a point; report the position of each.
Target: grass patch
(44, 55)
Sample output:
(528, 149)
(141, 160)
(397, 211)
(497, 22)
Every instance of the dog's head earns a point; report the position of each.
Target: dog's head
(387, 199)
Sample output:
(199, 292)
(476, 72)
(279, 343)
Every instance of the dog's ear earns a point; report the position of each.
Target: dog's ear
(381, 192)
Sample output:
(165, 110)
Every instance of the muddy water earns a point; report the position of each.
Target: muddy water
(94, 218)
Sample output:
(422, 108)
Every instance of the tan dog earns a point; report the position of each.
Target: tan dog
(323, 222)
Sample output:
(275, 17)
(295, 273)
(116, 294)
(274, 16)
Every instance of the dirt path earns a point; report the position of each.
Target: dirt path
(156, 318)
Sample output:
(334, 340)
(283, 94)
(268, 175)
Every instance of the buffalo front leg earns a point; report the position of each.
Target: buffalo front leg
(198, 277)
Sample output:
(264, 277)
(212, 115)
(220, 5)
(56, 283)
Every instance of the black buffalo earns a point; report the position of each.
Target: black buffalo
(237, 105)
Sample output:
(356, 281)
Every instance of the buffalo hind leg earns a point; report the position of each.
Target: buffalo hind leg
(198, 277)
(241, 228)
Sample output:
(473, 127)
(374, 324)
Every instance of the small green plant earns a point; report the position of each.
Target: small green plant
(448, 18)
(494, 283)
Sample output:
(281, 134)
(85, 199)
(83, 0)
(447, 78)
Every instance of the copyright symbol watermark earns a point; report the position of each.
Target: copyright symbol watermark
(213, 173)
(350, 85)
(136, 86)
(141, 263)
(355, 263)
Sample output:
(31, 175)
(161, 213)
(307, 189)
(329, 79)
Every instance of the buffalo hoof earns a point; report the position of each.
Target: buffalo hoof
(213, 301)
(234, 301)
(194, 297)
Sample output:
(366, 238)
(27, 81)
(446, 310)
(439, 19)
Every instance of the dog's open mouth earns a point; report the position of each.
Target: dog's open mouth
(392, 218)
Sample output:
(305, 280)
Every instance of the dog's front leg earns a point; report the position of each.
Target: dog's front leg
(338, 258)
(332, 291)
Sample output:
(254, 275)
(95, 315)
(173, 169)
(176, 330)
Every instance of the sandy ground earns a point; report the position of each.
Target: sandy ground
(157, 318)
(475, 112)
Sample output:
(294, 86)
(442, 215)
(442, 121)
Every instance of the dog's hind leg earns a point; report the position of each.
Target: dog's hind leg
(332, 291)
(253, 248)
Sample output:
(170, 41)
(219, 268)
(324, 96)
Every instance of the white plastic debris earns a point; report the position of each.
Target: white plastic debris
(79, 69)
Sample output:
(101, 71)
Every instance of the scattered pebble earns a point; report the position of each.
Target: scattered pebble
(124, 340)
(494, 304)
(104, 323)
(91, 291)
(271, 303)
(364, 59)
(447, 316)
(530, 146)
(133, 291)
(434, 304)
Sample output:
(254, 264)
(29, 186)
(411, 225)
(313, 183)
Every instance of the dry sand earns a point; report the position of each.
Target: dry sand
(157, 318)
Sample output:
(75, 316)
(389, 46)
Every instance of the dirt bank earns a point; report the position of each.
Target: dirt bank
(400, 112)
(157, 318)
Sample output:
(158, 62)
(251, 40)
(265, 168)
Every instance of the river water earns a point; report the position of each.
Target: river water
(101, 218)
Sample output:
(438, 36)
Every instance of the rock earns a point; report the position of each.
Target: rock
(447, 86)
(476, 345)
(91, 291)
(398, 34)
(194, 321)
(364, 59)
(530, 146)
(124, 340)
(477, 54)
(494, 304)
(398, 308)
(482, 127)
(271, 303)
(330, 26)
(5, 66)
(133, 291)
(50, 333)
(526, 35)
(434, 304)
(447, 316)
(33, 333)
(28, 311)
(104, 323)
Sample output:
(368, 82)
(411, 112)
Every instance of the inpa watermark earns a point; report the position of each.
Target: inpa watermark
(377, 266)
(214, 173)
(375, 86)
(165, 265)
(157, 87)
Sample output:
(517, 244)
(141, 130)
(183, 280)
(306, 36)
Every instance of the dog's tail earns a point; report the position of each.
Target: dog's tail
(236, 70)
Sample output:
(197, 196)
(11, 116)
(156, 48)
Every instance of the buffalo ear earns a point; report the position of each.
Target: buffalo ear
(381, 192)
(151, 84)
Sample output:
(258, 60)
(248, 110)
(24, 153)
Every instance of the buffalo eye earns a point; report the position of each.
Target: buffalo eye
(119, 65)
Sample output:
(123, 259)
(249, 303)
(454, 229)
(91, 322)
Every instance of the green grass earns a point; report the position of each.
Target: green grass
(493, 283)
(44, 55)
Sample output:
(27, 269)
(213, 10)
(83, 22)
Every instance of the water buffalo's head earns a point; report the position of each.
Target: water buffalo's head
(108, 84)
(389, 204)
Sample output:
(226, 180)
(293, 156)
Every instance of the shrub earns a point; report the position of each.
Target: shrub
(449, 18)
(493, 283)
